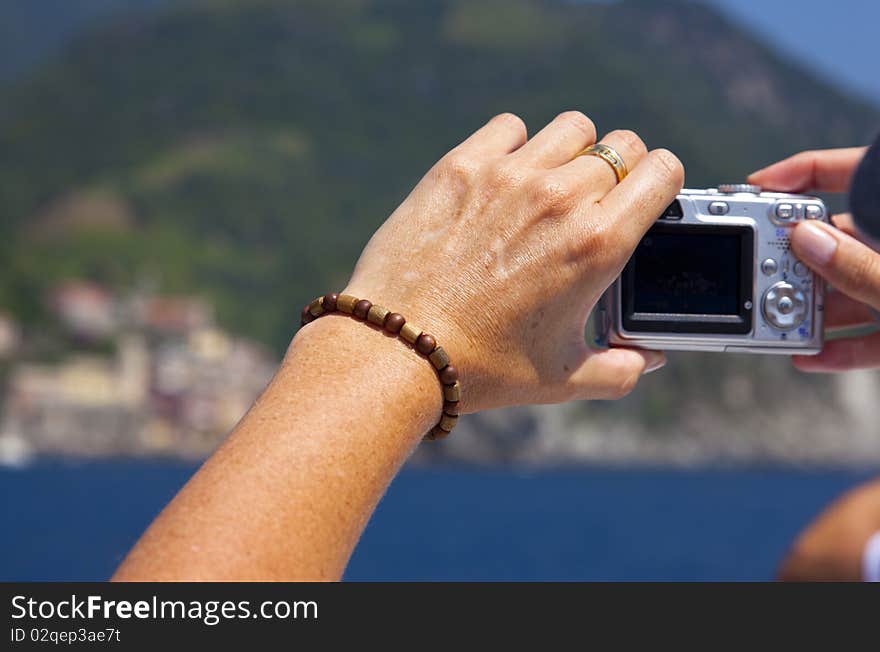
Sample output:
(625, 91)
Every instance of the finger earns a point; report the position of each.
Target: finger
(558, 142)
(636, 202)
(842, 311)
(845, 223)
(502, 135)
(843, 355)
(613, 373)
(850, 266)
(594, 175)
(828, 170)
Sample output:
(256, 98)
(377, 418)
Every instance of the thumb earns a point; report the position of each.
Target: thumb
(613, 373)
(850, 266)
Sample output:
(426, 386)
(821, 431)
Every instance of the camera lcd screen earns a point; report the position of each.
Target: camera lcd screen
(689, 274)
(690, 279)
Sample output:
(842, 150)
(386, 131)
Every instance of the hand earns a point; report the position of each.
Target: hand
(503, 249)
(500, 252)
(832, 546)
(840, 255)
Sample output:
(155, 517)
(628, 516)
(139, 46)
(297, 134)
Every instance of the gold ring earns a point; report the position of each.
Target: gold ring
(610, 156)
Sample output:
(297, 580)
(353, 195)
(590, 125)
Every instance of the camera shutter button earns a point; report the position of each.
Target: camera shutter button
(784, 211)
(784, 306)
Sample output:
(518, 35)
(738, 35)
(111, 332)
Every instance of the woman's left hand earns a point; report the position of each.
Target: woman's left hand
(504, 247)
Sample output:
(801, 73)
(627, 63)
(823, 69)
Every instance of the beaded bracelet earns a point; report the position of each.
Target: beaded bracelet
(395, 324)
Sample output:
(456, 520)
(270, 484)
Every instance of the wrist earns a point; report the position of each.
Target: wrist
(379, 374)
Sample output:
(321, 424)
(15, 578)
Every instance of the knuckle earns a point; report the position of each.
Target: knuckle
(865, 273)
(807, 156)
(630, 139)
(667, 167)
(623, 385)
(580, 122)
(511, 121)
(458, 167)
(551, 195)
(506, 176)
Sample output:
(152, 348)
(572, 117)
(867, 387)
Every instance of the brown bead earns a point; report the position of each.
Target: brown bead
(361, 308)
(452, 392)
(448, 375)
(315, 307)
(425, 344)
(330, 302)
(447, 422)
(394, 322)
(451, 407)
(345, 303)
(377, 315)
(306, 316)
(436, 433)
(410, 333)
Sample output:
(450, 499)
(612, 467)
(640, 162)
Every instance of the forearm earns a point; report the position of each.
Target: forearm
(499, 252)
(288, 494)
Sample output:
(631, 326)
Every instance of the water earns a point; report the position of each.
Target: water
(63, 521)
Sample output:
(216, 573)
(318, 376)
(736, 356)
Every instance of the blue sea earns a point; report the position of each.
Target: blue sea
(75, 521)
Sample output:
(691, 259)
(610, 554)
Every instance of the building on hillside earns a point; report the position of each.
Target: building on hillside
(10, 336)
(86, 309)
(170, 315)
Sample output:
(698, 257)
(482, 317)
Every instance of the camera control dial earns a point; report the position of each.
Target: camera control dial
(784, 306)
(732, 188)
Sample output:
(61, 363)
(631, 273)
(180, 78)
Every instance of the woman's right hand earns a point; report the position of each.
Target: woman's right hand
(841, 255)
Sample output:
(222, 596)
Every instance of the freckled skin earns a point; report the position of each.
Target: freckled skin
(500, 253)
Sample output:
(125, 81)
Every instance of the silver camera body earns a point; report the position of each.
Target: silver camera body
(716, 273)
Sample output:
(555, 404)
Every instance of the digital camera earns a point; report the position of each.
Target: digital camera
(716, 273)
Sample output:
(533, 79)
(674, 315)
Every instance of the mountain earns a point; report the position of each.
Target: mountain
(33, 30)
(245, 150)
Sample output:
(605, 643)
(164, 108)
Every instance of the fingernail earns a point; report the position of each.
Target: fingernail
(814, 244)
(655, 364)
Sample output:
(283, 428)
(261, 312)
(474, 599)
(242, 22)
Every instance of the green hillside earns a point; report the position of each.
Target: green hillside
(246, 150)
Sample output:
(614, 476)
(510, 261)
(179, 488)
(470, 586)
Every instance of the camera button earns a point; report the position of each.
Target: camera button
(784, 211)
(813, 212)
(718, 208)
(784, 306)
(800, 269)
(769, 267)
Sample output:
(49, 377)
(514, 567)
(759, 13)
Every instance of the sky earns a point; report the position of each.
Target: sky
(840, 39)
